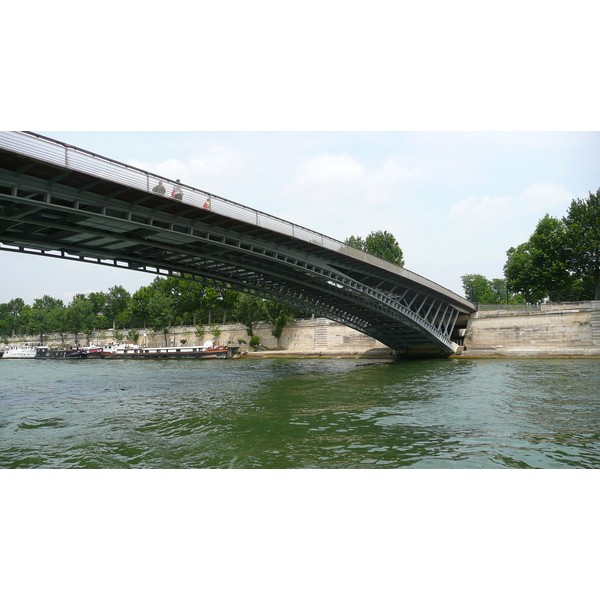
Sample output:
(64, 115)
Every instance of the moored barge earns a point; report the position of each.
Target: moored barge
(24, 351)
(205, 351)
(89, 352)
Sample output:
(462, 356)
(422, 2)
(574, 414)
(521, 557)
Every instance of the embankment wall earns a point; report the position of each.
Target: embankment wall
(568, 329)
(303, 337)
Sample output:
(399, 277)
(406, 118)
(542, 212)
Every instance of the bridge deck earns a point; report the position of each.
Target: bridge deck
(62, 211)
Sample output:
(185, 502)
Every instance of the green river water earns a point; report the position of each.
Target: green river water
(300, 413)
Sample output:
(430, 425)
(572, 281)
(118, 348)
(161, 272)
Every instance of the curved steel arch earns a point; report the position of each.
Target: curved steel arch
(57, 200)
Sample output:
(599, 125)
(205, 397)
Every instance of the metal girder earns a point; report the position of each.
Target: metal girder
(79, 216)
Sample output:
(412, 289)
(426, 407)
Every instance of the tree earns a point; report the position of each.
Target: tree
(228, 300)
(117, 303)
(98, 300)
(248, 310)
(192, 297)
(279, 316)
(133, 335)
(538, 268)
(174, 287)
(381, 244)
(211, 300)
(14, 309)
(583, 239)
(43, 316)
(80, 316)
(160, 313)
(355, 242)
(139, 304)
(480, 290)
(477, 289)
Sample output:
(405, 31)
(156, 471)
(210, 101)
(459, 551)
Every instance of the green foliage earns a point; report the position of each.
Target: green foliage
(228, 299)
(191, 299)
(157, 306)
(254, 341)
(477, 288)
(133, 335)
(12, 320)
(46, 315)
(560, 262)
(211, 300)
(381, 244)
(480, 290)
(279, 316)
(116, 305)
(80, 316)
(139, 304)
(160, 311)
(538, 268)
(561, 259)
(356, 242)
(249, 309)
(583, 239)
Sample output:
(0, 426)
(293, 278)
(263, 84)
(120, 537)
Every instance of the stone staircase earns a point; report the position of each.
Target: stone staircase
(321, 334)
(595, 323)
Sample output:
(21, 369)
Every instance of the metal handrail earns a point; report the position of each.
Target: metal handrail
(54, 151)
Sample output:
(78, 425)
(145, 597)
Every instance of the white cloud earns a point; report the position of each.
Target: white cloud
(483, 210)
(537, 200)
(542, 198)
(204, 170)
(339, 191)
(327, 170)
(390, 173)
(342, 181)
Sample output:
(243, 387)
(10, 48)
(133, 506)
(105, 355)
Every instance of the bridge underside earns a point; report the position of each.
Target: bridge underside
(55, 211)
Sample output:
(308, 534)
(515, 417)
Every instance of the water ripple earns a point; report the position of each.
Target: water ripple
(310, 414)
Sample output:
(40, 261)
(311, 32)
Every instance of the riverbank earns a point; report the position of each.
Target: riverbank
(380, 354)
(541, 331)
(568, 329)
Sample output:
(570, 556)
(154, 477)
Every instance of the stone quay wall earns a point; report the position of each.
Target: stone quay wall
(314, 337)
(565, 329)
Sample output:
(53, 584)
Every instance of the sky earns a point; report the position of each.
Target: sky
(455, 127)
(454, 201)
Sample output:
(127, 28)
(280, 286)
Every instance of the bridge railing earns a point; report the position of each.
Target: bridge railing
(62, 154)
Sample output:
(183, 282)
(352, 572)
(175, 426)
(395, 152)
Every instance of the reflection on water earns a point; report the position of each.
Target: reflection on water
(300, 413)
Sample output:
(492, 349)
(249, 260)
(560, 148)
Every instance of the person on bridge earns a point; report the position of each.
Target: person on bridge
(177, 192)
(159, 189)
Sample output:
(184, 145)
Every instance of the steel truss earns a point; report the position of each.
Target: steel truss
(56, 212)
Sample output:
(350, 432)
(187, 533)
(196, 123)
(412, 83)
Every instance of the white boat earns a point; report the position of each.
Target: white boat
(135, 351)
(24, 351)
(113, 349)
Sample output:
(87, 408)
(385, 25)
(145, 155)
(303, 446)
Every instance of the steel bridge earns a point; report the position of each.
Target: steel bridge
(58, 200)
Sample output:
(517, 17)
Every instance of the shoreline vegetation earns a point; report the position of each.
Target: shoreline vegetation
(561, 330)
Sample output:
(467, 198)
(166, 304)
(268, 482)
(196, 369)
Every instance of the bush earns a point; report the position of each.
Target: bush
(254, 341)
